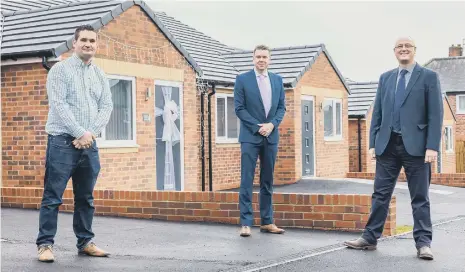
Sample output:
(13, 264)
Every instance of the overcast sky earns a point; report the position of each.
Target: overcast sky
(358, 35)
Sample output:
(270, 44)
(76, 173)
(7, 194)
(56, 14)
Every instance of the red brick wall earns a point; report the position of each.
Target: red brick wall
(24, 110)
(332, 158)
(454, 180)
(315, 211)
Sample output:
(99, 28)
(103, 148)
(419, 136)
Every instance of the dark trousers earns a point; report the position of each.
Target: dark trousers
(249, 155)
(64, 161)
(418, 173)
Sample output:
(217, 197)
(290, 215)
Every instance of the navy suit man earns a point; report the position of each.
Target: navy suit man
(405, 132)
(260, 105)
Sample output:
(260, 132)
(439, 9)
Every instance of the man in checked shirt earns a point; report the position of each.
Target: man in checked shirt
(80, 106)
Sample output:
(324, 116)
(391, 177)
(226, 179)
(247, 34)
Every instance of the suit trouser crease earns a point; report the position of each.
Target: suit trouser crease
(63, 162)
(249, 154)
(418, 174)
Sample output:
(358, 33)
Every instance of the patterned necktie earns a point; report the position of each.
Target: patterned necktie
(265, 93)
(400, 92)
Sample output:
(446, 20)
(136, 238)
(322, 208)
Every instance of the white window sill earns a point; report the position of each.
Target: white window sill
(105, 145)
(460, 112)
(227, 141)
(450, 151)
(333, 139)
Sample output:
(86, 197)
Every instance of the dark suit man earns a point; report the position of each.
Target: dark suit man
(260, 105)
(405, 132)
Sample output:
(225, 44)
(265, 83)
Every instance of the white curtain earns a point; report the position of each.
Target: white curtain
(171, 135)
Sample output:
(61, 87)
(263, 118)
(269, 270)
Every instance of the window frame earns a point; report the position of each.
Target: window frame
(449, 139)
(225, 139)
(101, 141)
(457, 98)
(334, 102)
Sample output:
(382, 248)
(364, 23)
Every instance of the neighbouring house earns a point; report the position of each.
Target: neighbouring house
(451, 72)
(149, 56)
(361, 102)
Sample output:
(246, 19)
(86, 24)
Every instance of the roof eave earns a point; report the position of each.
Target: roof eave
(333, 64)
(169, 36)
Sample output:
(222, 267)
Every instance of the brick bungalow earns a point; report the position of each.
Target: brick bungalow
(314, 138)
(131, 150)
(314, 132)
(360, 112)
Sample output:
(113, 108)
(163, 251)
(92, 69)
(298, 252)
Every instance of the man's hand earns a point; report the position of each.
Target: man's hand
(372, 153)
(266, 129)
(85, 141)
(431, 155)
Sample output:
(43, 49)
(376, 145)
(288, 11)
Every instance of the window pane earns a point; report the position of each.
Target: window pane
(328, 118)
(338, 119)
(232, 119)
(120, 124)
(220, 115)
(461, 103)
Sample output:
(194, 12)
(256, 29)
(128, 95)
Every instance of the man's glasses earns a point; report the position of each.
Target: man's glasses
(400, 46)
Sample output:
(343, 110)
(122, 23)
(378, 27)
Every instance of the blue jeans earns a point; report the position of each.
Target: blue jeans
(64, 161)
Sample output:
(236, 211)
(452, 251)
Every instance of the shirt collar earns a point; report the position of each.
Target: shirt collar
(77, 61)
(408, 68)
(257, 74)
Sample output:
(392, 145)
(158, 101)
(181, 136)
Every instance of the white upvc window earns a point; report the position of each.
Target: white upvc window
(448, 138)
(227, 123)
(460, 104)
(332, 116)
(121, 128)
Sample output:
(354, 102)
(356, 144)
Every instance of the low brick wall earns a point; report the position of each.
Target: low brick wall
(313, 211)
(454, 180)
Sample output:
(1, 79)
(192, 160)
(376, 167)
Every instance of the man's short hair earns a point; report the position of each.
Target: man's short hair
(261, 47)
(82, 28)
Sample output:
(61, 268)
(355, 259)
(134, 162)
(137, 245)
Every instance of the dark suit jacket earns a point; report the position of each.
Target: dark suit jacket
(250, 110)
(421, 112)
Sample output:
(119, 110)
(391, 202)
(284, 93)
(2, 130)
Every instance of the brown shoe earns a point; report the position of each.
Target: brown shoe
(271, 228)
(46, 254)
(425, 253)
(245, 231)
(92, 250)
(360, 243)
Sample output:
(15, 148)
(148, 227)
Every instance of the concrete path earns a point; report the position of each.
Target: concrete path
(396, 254)
(149, 245)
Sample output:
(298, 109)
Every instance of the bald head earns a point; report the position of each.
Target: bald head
(405, 39)
(405, 50)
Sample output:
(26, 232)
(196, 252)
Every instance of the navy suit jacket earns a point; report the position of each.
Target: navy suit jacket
(251, 111)
(421, 112)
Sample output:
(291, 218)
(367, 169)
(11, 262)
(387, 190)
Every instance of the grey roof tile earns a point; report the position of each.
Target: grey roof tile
(361, 97)
(47, 27)
(451, 72)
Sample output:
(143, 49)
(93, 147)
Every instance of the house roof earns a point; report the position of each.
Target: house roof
(451, 72)
(206, 51)
(289, 62)
(361, 97)
(46, 27)
(48, 31)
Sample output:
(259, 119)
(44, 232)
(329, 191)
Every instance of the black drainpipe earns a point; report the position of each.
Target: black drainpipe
(359, 145)
(210, 158)
(45, 64)
(202, 139)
